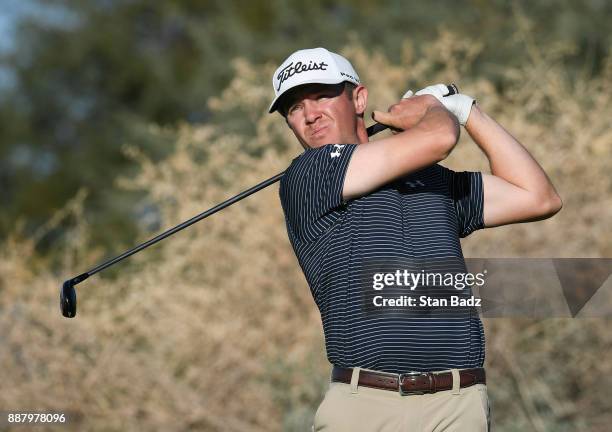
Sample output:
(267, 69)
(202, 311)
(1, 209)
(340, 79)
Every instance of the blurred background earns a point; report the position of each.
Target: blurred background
(119, 119)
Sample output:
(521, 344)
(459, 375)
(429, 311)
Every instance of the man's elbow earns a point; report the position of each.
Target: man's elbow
(550, 205)
(555, 204)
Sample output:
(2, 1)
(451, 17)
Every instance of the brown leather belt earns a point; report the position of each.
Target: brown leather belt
(411, 382)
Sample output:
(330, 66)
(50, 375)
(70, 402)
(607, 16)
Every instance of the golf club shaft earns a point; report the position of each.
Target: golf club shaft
(375, 128)
(372, 130)
(189, 222)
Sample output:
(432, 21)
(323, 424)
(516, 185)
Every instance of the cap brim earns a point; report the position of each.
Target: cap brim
(274, 104)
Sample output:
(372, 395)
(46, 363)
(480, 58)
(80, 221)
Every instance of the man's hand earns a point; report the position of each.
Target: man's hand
(406, 113)
(459, 104)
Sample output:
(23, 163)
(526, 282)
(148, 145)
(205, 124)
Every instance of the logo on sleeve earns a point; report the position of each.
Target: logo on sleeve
(336, 152)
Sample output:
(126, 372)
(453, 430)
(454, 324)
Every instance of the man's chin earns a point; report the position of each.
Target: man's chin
(323, 141)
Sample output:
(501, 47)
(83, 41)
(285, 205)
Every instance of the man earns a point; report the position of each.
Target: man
(351, 204)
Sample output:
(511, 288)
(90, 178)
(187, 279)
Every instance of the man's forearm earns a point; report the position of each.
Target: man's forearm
(427, 139)
(508, 159)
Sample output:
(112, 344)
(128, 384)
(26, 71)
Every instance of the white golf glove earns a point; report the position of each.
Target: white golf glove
(459, 104)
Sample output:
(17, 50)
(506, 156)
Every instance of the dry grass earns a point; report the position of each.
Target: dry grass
(215, 328)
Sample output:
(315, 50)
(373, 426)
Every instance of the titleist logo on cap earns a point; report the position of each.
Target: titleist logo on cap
(290, 70)
(311, 66)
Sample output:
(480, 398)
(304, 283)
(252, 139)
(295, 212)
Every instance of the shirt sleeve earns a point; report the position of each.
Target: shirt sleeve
(467, 192)
(312, 188)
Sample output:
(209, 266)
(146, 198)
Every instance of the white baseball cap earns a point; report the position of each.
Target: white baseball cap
(309, 66)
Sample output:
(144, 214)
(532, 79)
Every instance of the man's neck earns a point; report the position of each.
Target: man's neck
(362, 133)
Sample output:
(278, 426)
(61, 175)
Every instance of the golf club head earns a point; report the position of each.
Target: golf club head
(68, 299)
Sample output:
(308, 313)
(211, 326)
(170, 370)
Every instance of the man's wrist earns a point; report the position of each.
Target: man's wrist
(475, 114)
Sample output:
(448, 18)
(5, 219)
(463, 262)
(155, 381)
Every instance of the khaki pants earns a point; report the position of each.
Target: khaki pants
(352, 408)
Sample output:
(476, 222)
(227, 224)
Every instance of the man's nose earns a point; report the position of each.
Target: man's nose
(311, 111)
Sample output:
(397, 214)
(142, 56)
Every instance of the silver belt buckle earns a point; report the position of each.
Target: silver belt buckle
(412, 376)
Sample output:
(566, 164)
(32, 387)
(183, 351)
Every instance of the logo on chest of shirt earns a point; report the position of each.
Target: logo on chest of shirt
(414, 184)
(336, 152)
(410, 186)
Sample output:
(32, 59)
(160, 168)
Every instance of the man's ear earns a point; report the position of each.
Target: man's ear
(360, 99)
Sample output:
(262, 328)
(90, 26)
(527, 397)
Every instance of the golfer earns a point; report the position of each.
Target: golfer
(349, 202)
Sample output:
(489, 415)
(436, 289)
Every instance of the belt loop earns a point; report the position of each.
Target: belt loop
(355, 380)
(456, 381)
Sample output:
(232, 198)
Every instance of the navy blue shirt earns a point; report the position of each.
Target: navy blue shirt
(421, 215)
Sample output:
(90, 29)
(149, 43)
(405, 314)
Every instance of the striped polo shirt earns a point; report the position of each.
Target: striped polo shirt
(419, 216)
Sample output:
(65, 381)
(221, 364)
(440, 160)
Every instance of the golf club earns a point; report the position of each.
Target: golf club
(68, 300)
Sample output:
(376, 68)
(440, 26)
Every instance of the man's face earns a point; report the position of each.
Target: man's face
(320, 114)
